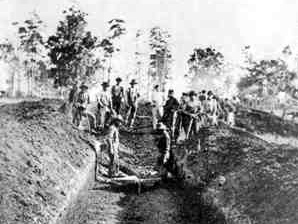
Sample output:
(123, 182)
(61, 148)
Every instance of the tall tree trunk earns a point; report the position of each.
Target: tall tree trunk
(12, 88)
(28, 83)
(18, 90)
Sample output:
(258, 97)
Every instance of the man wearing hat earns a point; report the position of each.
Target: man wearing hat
(170, 108)
(81, 102)
(132, 101)
(192, 110)
(72, 98)
(113, 145)
(157, 105)
(104, 103)
(165, 159)
(117, 95)
(180, 116)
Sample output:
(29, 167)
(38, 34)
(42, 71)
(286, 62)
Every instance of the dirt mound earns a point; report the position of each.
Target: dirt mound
(263, 122)
(43, 161)
(247, 179)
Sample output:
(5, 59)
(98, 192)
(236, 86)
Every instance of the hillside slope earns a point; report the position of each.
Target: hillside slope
(262, 122)
(247, 179)
(43, 162)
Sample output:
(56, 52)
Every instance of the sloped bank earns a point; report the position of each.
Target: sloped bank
(247, 179)
(263, 122)
(44, 162)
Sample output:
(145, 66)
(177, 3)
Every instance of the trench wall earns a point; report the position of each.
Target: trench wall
(44, 162)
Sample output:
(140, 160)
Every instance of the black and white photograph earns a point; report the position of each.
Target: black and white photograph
(149, 112)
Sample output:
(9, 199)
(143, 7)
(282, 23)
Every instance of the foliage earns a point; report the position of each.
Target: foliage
(116, 29)
(161, 56)
(205, 59)
(271, 74)
(30, 52)
(6, 51)
(70, 48)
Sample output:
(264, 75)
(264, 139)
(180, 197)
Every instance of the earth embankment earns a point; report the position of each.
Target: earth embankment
(44, 161)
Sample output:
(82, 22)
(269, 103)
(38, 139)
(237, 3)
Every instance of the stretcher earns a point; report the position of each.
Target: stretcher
(131, 180)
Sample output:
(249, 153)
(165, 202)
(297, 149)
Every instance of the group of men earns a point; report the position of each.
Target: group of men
(109, 103)
(170, 117)
(192, 111)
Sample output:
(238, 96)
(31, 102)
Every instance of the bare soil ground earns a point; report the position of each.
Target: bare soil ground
(248, 179)
(261, 122)
(43, 158)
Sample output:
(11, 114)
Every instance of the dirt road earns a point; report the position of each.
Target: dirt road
(166, 204)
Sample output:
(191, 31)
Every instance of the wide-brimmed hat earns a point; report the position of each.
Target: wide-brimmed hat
(133, 81)
(118, 118)
(83, 86)
(209, 93)
(106, 84)
(118, 79)
(192, 93)
(161, 126)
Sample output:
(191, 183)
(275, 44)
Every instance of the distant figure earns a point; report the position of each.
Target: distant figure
(132, 101)
(73, 93)
(170, 107)
(230, 113)
(165, 160)
(117, 95)
(71, 100)
(113, 145)
(81, 103)
(157, 105)
(203, 100)
(214, 111)
(104, 102)
(180, 116)
(192, 111)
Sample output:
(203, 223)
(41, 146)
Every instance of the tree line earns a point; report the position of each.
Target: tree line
(74, 54)
(71, 54)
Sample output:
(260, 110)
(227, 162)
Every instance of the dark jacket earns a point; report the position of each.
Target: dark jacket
(171, 105)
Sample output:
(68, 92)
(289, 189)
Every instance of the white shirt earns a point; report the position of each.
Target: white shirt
(157, 98)
(282, 97)
(104, 98)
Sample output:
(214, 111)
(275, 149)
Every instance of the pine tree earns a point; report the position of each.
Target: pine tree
(161, 56)
(31, 48)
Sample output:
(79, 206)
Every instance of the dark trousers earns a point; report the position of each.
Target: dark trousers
(78, 114)
(131, 114)
(117, 104)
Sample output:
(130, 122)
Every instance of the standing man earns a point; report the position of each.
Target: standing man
(81, 102)
(113, 145)
(132, 101)
(72, 98)
(192, 110)
(170, 108)
(157, 105)
(117, 95)
(104, 103)
(180, 116)
(165, 159)
(213, 110)
(230, 113)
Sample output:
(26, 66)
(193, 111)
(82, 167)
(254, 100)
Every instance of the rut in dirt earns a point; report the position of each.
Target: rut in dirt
(161, 204)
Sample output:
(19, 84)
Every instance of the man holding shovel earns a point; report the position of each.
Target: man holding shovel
(113, 145)
(165, 159)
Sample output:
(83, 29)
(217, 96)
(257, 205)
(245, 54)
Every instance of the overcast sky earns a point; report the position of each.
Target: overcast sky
(267, 25)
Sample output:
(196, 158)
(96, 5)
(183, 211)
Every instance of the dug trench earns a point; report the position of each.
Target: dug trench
(162, 202)
(47, 174)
